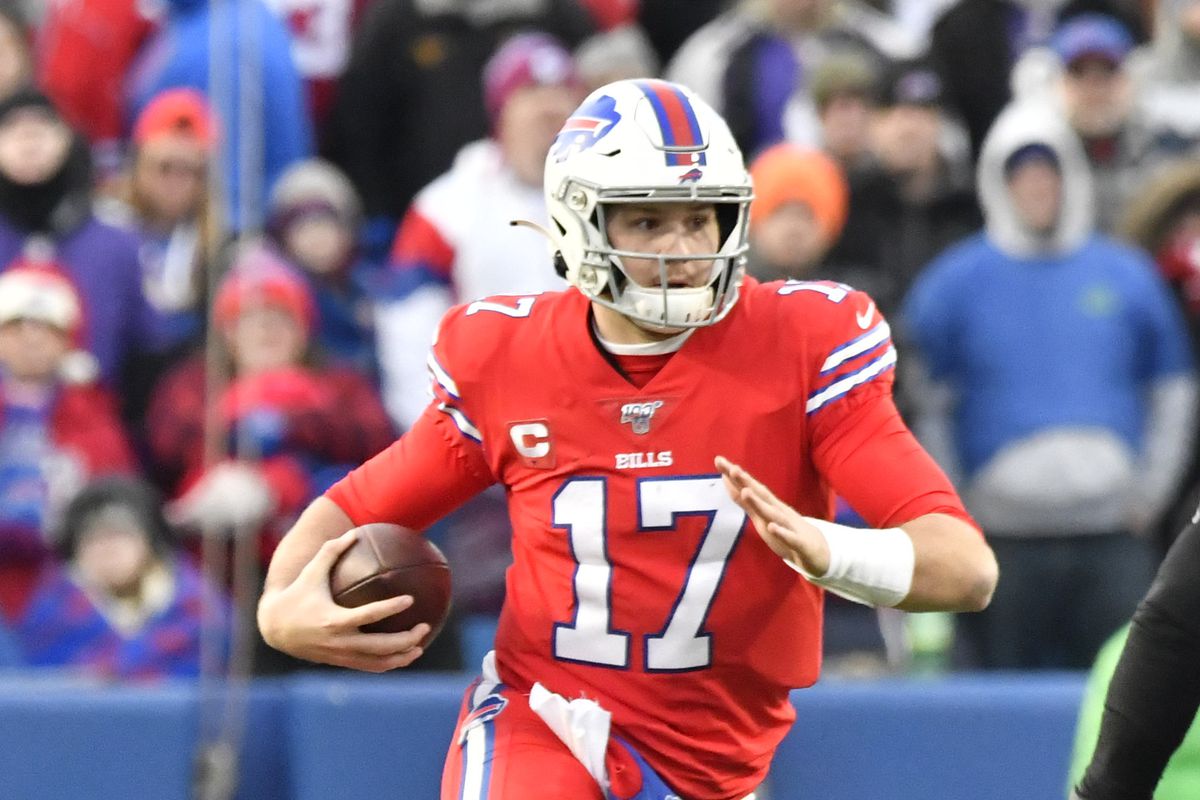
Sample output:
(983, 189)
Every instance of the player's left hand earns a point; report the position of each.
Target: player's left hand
(784, 529)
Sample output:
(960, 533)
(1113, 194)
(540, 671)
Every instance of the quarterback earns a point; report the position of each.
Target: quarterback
(670, 434)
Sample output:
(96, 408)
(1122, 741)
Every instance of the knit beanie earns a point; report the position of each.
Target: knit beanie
(789, 173)
(260, 279)
(312, 186)
(527, 59)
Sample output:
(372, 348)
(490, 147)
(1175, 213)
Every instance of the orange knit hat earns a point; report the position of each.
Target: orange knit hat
(790, 173)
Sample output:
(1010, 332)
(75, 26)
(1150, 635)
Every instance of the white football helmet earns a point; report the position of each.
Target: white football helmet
(639, 141)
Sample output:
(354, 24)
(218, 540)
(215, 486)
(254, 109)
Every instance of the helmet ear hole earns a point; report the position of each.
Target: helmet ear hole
(560, 264)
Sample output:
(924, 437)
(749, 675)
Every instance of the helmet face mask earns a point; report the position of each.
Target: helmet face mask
(644, 143)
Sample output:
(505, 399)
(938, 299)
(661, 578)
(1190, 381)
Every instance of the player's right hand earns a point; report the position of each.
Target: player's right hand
(302, 620)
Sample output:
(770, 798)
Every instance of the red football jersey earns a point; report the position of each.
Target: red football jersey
(636, 579)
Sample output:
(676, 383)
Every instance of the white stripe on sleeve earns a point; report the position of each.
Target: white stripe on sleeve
(844, 385)
(855, 347)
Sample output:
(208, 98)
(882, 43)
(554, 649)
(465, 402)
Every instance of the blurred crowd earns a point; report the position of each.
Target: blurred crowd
(229, 227)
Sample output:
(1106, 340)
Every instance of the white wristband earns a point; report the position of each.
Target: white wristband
(869, 566)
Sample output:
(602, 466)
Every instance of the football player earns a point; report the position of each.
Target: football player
(1150, 704)
(670, 434)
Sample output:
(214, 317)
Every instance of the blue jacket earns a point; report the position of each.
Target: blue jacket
(178, 55)
(1035, 343)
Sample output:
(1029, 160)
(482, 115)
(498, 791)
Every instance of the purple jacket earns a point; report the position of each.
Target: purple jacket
(102, 259)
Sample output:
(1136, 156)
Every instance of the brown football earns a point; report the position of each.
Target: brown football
(387, 561)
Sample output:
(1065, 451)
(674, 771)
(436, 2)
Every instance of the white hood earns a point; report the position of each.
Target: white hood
(1018, 125)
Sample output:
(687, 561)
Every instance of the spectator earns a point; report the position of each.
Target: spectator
(168, 197)
(1063, 391)
(456, 242)
(168, 194)
(126, 603)
(1167, 77)
(977, 42)
(16, 58)
(321, 33)
(55, 432)
(845, 91)
(616, 54)
(1164, 219)
(46, 212)
(800, 203)
(85, 48)
(259, 101)
(756, 62)
(814, 27)
(410, 97)
(287, 424)
(912, 195)
(1098, 101)
(314, 220)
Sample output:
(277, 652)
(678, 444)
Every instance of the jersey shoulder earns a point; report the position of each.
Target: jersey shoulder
(483, 334)
(843, 340)
(822, 314)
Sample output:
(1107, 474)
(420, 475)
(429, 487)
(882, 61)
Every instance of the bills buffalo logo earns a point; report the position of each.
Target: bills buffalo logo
(638, 415)
(691, 176)
(487, 710)
(586, 127)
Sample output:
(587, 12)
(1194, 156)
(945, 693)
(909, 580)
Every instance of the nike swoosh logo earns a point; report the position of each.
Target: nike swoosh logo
(864, 318)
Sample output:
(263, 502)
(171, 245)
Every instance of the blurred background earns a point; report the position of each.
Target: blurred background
(229, 227)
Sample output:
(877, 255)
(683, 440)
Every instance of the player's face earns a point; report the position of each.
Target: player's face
(678, 229)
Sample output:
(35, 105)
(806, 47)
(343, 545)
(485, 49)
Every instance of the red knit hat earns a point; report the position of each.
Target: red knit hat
(790, 173)
(527, 59)
(259, 279)
(177, 111)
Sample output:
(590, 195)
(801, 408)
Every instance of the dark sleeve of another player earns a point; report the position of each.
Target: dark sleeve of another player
(1155, 690)
(420, 478)
(871, 459)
